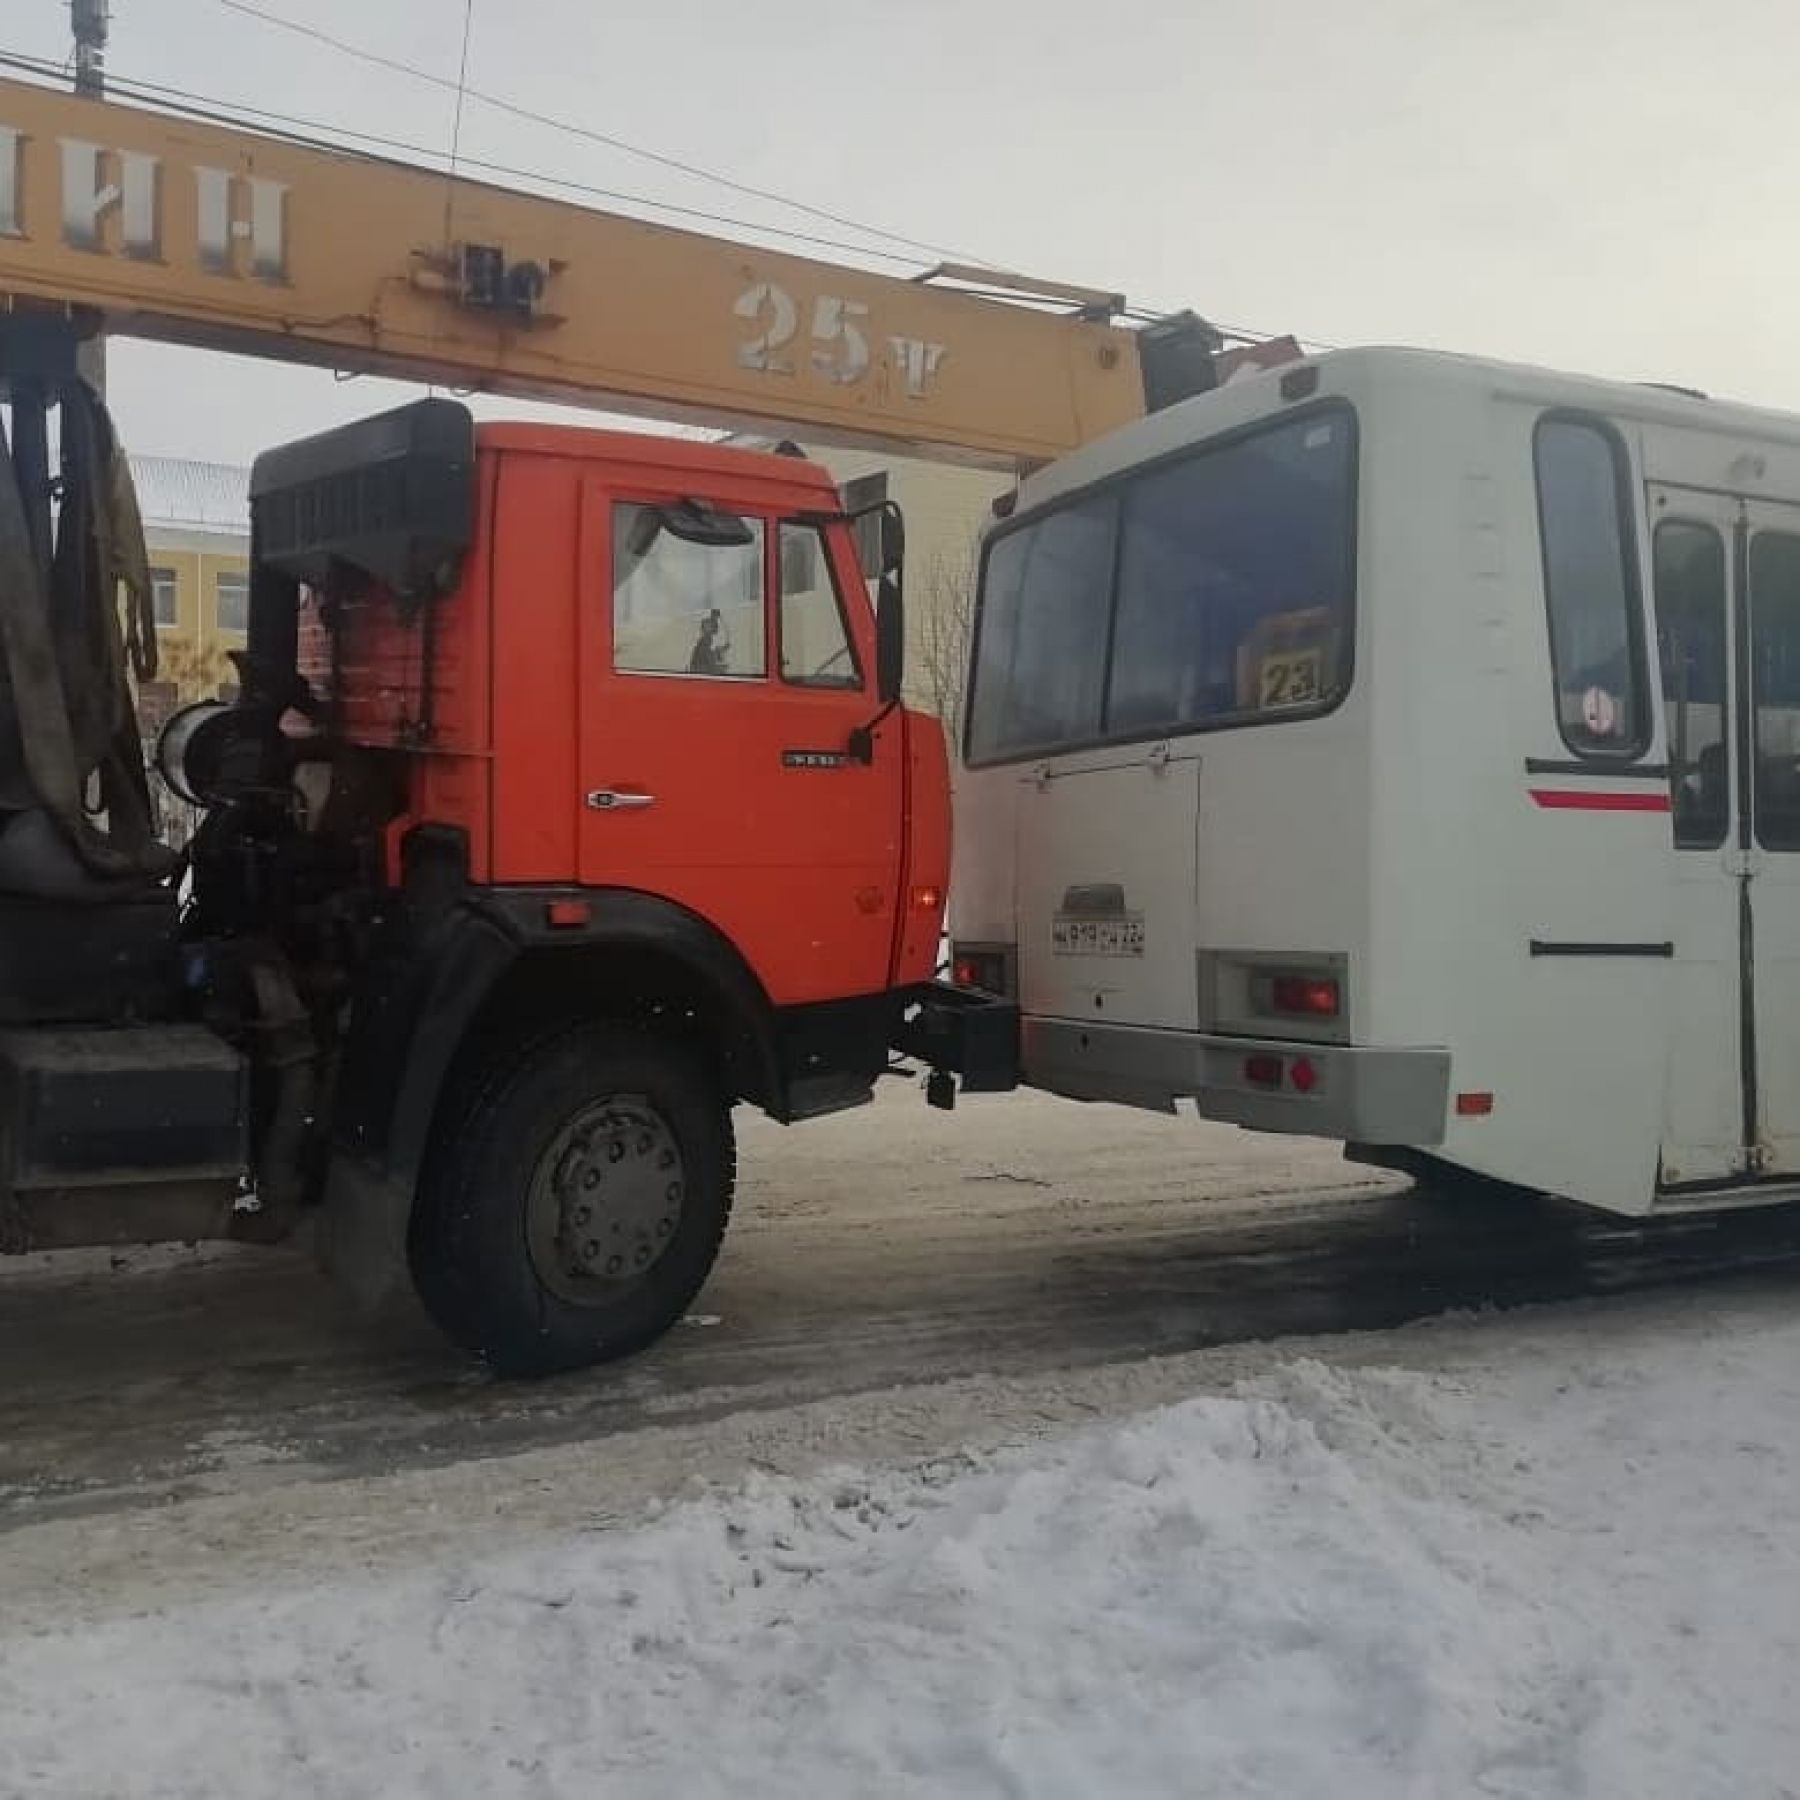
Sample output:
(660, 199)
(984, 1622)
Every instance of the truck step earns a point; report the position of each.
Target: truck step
(85, 1107)
(814, 1096)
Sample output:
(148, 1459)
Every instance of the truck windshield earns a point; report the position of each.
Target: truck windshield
(1213, 590)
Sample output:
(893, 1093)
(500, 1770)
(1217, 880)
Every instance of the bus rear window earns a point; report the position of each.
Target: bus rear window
(1235, 580)
(1043, 633)
(1590, 586)
(1213, 590)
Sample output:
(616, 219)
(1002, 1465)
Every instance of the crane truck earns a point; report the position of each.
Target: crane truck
(567, 799)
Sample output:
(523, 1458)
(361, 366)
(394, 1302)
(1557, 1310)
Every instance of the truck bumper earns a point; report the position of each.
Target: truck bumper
(962, 1032)
(1348, 1092)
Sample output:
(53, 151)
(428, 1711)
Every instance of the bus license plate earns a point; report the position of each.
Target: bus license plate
(1097, 937)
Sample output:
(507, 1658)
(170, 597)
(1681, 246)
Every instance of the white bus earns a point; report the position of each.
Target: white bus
(1405, 749)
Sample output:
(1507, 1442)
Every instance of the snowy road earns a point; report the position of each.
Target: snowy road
(944, 1492)
(886, 1246)
(879, 1249)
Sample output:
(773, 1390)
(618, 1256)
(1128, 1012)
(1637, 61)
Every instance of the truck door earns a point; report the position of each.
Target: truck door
(1728, 625)
(726, 663)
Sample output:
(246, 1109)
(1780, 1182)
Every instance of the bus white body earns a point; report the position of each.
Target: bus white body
(1405, 749)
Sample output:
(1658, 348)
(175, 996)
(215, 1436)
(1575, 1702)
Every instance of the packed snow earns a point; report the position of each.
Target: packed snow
(1558, 1562)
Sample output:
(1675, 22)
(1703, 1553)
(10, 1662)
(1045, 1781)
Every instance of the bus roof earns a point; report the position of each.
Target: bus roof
(1250, 398)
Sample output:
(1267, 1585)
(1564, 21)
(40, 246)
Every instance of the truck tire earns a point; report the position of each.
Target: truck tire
(573, 1199)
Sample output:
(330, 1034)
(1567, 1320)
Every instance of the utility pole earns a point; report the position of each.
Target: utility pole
(88, 21)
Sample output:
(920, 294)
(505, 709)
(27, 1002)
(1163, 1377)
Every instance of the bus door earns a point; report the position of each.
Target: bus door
(1118, 631)
(1769, 586)
(1106, 832)
(1107, 859)
(1727, 591)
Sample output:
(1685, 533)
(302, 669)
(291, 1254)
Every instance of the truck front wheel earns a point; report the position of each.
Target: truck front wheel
(574, 1200)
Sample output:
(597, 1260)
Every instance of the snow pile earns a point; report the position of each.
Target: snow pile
(1345, 1584)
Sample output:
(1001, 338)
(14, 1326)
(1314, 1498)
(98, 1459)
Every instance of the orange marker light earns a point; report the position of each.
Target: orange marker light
(1474, 1106)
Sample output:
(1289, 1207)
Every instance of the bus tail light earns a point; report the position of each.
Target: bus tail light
(1306, 996)
(988, 969)
(1264, 1071)
(1308, 993)
(1294, 993)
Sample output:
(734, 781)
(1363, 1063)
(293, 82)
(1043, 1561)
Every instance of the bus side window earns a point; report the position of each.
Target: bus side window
(1690, 632)
(1590, 585)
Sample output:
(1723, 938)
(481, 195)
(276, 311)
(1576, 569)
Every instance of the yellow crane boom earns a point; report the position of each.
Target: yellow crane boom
(232, 239)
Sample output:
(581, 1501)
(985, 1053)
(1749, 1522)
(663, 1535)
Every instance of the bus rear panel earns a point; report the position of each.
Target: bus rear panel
(1374, 749)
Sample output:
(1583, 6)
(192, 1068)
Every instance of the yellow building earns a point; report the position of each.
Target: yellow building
(197, 530)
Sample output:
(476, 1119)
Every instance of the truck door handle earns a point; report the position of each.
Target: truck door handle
(611, 800)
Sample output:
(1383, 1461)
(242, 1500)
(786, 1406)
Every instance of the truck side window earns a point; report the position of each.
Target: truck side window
(816, 647)
(682, 608)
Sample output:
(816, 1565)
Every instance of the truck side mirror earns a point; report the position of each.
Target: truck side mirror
(890, 609)
(890, 640)
(890, 613)
(893, 538)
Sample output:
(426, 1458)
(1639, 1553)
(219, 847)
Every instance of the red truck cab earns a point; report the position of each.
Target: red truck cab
(657, 672)
(568, 802)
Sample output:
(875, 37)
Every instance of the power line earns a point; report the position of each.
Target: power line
(462, 89)
(462, 92)
(462, 82)
(315, 134)
(500, 104)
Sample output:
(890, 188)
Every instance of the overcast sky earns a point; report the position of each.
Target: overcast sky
(1581, 183)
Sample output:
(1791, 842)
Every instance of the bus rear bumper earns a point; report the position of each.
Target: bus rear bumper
(1342, 1091)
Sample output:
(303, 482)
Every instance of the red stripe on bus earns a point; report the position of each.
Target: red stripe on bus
(1574, 800)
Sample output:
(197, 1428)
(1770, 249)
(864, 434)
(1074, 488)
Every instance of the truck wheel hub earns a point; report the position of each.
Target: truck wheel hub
(605, 1199)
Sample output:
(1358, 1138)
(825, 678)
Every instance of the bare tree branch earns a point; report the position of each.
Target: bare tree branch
(946, 615)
